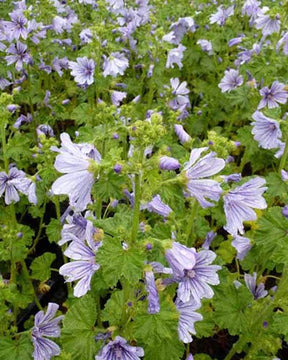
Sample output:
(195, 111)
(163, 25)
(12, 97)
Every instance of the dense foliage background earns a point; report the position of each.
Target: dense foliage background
(143, 160)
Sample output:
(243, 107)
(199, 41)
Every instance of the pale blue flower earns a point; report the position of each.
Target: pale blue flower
(119, 349)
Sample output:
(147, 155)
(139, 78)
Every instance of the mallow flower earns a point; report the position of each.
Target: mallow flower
(239, 204)
(45, 325)
(267, 24)
(78, 162)
(83, 264)
(257, 291)
(273, 96)
(175, 56)
(153, 296)
(115, 64)
(230, 81)
(193, 272)
(83, 70)
(187, 318)
(15, 181)
(119, 349)
(197, 170)
(242, 246)
(266, 131)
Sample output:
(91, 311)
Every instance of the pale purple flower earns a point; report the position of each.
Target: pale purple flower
(196, 278)
(83, 70)
(284, 175)
(271, 97)
(78, 226)
(168, 163)
(210, 236)
(44, 129)
(221, 15)
(19, 55)
(257, 291)
(78, 163)
(22, 119)
(242, 245)
(4, 83)
(283, 42)
(86, 36)
(239, 204)
(267, 24)
(266, 131)
(175, 56)
(236, 41)
(120, 349)
(116, 5)
(115, 64)
(83, 266)
(180, 258)
(206, 46)
(232, 178)
(16, 28)
(159, 268)
(183, 136)
(157, 206)
(180, 91)
(15, 181)
(284, 211)
(197, 170)
(153, 296)
(190, 357)
(251, 8)
(187, 318)
(117, 97)
(231, 80)
(179, 29)
(45, 325)
(60, 64)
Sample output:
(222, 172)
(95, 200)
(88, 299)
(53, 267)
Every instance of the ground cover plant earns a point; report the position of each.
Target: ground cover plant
(144, 180)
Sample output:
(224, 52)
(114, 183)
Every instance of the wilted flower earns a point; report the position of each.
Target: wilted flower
(179, 29)
(259, 291)
(239, 204)
(210, 236)
(271, 97)
(266, 131)
(251, 8)
(84, 265)
(115, 64)
(119, 349)
(221, 15)
(188, 317)
(78, 162)
(117, 97)
(231, 80)
(283, 42)
(153, 296)
(168, 163)
(157, 206)
(22, 119)
(183, 136)
(197, 170)
(175, 56)
(83, 70)
(206, 46)
(45, 325)
(242, 245)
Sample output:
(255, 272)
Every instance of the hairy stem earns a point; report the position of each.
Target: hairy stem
(137, 200)
(190, 233)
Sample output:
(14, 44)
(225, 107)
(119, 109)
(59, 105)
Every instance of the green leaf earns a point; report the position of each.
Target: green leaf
(277, 187)
(280, 324)
(53, 230)
(117, 262)
(41, 266)
(119, 223)
(113, 308)
(109, 186)
(230, 307)
(78, 333)
(158, 332)
(272, 237)
(15, 349)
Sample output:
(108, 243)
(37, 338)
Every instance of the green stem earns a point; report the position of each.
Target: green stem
(4, 147)
(98, 209)
(190, 233)
(264, 314)
(57, 207)
(283, 158)
(31, 250)
(26, 273)
(137, 200)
